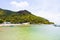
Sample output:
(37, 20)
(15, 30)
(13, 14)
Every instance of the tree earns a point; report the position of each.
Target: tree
(1, 21)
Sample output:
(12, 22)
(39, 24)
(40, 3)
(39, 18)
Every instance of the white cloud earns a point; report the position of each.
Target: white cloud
(18, 5)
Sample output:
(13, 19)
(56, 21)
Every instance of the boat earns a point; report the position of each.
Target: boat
(56, 25)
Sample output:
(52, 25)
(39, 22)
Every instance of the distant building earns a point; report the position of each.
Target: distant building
(26, 23)
(7, 23)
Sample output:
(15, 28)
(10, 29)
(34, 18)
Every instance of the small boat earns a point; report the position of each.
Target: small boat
(56, 25)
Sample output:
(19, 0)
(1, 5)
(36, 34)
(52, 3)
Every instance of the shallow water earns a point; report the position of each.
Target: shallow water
(31, 32)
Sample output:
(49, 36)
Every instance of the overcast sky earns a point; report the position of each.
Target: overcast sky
(49, 9)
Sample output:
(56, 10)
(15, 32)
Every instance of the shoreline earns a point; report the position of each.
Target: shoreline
(13, 24)
(22, 24)
(10, 24)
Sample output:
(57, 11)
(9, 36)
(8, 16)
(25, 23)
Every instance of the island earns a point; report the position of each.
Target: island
(22, 16)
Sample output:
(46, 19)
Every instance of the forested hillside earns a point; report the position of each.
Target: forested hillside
(21, 17)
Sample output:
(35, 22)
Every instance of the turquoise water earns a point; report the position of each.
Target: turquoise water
(31, 32)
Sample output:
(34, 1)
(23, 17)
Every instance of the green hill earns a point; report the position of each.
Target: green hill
(21, 17)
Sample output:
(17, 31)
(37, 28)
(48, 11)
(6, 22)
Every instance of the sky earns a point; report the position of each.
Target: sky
(49, 9)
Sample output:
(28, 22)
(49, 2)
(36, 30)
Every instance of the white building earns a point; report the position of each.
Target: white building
(7, 23)
(26, 23)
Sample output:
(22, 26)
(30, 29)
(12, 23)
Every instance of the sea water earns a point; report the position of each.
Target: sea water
(31, 32)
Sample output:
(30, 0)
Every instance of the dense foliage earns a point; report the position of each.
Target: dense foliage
(1, 21)
(21, 17)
